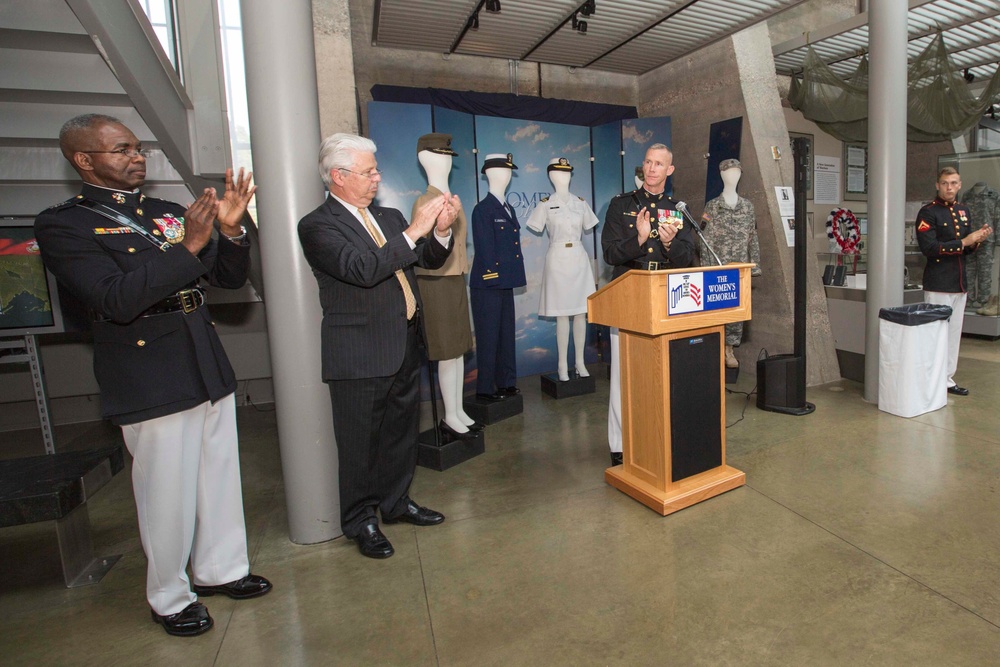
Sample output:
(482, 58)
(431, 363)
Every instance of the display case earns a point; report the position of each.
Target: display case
(980, 192)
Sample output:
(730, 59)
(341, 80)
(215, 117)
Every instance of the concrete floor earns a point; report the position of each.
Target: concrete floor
(860, 538)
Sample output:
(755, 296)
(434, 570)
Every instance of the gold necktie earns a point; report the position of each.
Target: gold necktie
(411, 301)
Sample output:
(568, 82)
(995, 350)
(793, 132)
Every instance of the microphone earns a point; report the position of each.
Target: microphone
(683, 208)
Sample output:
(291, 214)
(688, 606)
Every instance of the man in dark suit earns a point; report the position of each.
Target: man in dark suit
(135, 262)
(363, 258)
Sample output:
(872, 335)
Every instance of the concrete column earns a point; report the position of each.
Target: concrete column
(886, 172)
(284, 130)
(764, 127)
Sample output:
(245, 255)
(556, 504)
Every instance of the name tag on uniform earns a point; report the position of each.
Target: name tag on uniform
(113, 230)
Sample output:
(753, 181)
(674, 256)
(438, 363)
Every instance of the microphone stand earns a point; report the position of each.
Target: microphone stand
(683, 208)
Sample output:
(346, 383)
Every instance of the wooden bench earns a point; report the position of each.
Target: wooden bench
(57, 487)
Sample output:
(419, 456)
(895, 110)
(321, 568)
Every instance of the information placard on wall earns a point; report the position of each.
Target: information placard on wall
(826, 180)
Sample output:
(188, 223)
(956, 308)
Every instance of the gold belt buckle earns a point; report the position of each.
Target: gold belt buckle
(569, 245)
(189, 300)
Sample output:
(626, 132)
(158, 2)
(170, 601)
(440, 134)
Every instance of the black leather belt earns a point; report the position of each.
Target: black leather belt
(186, 301)
(648, 266)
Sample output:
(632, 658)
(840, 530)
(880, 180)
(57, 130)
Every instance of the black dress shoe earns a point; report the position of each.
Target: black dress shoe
(495, 396)
(450, 434)
(958, 391)
(510, 391)
(476, 426)
(616, 459)
(373, 543)
(417, 515)
(250, 586)
(190, 621)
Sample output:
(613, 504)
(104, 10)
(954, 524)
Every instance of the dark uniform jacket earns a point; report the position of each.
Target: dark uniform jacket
(620, 240)
(364, 309)
(147, 366)
(940, 230)
(496, 237)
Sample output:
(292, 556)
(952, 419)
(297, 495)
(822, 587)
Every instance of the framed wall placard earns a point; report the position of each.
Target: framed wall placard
(809, 160)
(855, 171)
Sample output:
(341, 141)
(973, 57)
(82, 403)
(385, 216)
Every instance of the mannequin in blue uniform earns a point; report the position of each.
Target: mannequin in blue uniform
(497, 268)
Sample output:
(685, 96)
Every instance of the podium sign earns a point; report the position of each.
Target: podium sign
(694, 292)
(672, 338)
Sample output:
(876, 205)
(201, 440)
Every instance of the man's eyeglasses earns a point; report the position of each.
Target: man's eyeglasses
(370, 175)
(127, 152)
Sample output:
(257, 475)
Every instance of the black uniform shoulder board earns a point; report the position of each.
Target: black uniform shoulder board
(544, 199)
(626, 194)
(147, 198)
(581, 198)
(69, 203)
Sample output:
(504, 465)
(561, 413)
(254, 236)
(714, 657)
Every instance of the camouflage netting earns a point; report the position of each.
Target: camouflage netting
(939, 104)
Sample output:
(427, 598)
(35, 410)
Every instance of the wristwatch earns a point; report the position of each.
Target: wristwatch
(236, 239)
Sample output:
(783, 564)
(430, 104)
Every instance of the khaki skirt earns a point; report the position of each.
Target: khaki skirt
(445, 316)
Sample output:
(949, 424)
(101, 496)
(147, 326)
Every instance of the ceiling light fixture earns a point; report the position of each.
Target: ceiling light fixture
(968, 76)
(579, 26)
(493, 6)
(589, 8)
(474, 21)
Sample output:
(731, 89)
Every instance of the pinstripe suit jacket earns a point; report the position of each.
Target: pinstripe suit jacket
(364, 310)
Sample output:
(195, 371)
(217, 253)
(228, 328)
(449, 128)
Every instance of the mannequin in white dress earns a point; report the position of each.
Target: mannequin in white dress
(568, 277)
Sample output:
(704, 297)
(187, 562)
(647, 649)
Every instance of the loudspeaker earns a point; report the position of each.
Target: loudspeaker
(781, 384)
(695, 395)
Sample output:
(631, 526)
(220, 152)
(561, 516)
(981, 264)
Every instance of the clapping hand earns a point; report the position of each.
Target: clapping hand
(448, 214)
(667, 233)
(643, 225)
(198, 221)
(426, 218)
(234, 202)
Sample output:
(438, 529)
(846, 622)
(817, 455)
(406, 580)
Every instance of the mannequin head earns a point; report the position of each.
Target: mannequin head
(731, 177)
(498, 168)
(437, 167)
(560, 180)
(434, 153)
(560, 173)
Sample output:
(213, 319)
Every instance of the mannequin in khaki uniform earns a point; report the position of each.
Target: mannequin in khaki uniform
(446, 304)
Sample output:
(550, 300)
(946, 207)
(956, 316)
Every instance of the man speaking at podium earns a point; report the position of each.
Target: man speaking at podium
(642, 230)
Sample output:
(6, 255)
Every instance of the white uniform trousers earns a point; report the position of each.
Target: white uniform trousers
(186, 481)
(615, 401)
(957, 302)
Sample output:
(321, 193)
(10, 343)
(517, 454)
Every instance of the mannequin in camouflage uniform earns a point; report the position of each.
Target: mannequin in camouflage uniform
(730, 227)
(984, 204)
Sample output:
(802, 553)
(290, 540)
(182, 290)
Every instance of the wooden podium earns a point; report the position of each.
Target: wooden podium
(671, 342)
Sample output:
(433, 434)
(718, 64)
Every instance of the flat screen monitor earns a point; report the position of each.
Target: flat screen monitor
(29, 297)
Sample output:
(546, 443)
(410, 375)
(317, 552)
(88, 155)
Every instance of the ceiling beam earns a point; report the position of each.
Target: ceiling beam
(552, 32)
(643, 31)
(832, 30)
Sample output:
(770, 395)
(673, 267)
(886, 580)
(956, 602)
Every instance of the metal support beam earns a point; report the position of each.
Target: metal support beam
(887, 174)
(284, 129)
